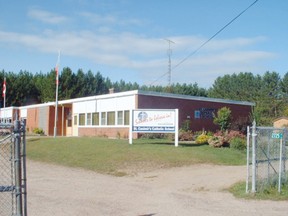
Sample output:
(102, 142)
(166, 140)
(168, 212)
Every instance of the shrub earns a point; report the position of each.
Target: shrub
(217, 141)
(233, 134)
(238, 143)
(185, 135)
(202, 139)
(39, 131)
(185, 125)
(223, 118)
(152, 135)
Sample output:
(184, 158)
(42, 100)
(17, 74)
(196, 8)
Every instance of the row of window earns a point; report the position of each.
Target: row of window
(103, 118)
(5, 120)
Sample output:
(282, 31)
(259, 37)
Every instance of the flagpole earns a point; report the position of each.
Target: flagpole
(56, 100)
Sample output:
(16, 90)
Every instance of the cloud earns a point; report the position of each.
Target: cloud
(46, 17)
(148, 56)
(108, 20)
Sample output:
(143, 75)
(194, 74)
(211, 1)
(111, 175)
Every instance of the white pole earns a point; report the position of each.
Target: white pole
(130, 127)
(56, 100)
(248, 157)
(254, 157)
(280, 165)
(176, 128)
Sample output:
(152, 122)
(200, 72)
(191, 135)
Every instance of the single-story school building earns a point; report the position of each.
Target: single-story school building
(108, 115)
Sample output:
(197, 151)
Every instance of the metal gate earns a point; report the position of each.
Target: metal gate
(266, 158)
(13, 190)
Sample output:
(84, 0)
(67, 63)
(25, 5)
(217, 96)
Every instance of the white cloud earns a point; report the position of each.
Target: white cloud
(46, 17)
(108, 20)
(147, 56)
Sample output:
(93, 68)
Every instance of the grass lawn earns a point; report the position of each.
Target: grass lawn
(115, 157)
(112, 156)
(271, 193)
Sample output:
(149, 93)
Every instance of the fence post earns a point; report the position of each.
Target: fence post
(248, 157)
(18, 178)
(253, 190)
(24, 171)
(280, 164)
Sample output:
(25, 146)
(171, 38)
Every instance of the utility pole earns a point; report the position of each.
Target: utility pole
(169, 52)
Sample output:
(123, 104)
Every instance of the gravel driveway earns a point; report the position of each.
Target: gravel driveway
(194, 190)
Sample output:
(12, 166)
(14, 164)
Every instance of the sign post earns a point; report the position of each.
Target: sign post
(154, 121)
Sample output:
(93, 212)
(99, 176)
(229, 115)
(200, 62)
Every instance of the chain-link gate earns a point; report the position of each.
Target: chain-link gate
(266, 158)
(13, 194)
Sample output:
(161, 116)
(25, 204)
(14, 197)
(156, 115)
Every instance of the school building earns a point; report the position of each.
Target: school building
(108, 115)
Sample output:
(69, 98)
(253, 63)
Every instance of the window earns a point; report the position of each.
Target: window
(197, 114)
(126, 117)
(82, 119)
(103, 118)
(75, 120)
(88, 119)
(120, 118)
(95, 118)
(110, 118)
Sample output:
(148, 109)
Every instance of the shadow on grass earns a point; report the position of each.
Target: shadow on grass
(182, 144)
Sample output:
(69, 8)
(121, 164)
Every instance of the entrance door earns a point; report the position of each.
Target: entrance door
(75, 125)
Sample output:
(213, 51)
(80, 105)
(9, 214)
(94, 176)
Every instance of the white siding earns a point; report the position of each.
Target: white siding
(23, 113)
(7, 113)
(85, 106)
(114, 104)
(101, 105)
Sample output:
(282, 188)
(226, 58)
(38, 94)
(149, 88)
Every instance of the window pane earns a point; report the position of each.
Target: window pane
(88, 119)
(111, 118)
(95, 118)
(126, 117)
(82, 119)
(103, 118)
(120, 118)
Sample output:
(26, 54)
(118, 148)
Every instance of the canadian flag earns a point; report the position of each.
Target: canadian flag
(57, 75)
(4, 88)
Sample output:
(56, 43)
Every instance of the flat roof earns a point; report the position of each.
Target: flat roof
(198, 98)
(137, 92)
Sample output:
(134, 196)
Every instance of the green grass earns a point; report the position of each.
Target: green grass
(112, 156)
(271, 193)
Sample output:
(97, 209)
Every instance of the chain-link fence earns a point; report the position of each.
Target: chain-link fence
(13, 193)
(266, 158)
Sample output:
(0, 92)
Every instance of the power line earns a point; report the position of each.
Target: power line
(213, 36)
(218, 32)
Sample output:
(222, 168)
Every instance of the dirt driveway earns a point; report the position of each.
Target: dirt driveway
(194, 190)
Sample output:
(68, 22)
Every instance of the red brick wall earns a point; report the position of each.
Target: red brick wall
(105, 132)
(59, 122)
(32, 119)
(187, 108)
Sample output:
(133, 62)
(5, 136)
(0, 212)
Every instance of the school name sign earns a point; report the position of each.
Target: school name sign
(154, 121)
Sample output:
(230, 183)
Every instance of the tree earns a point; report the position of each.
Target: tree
(223, 118)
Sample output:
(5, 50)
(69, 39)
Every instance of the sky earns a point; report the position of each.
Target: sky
(129, 39)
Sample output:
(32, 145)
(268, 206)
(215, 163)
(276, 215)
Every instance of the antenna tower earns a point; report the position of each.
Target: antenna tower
(169, 52)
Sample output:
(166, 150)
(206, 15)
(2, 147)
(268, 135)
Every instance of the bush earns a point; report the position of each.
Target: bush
(202, 139)
(238, 143)
(39, 131)
(152, 136)
(185, 135)
(217, 141)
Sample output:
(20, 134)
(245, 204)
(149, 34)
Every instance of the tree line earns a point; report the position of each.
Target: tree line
(269, 91)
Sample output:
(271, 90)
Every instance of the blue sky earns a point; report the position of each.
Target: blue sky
(125, 39)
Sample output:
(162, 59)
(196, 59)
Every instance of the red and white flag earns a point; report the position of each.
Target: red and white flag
(4, 88)
(57, 75)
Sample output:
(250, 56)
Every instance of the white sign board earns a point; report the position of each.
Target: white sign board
(154, 121)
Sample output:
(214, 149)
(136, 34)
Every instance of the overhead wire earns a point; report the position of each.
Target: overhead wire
(207, 41)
